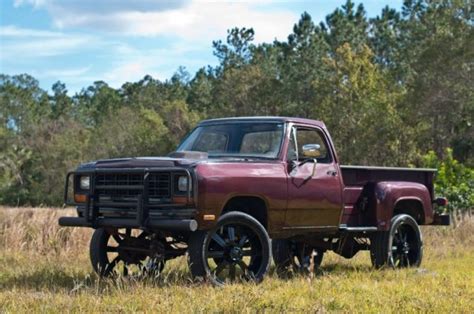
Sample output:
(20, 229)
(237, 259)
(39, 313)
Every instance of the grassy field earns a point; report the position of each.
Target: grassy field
(46, 268)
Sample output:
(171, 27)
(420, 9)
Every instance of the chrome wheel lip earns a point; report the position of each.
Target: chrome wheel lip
(405, 246)
(235, 241)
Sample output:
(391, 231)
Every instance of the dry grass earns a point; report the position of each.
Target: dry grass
(46, 268)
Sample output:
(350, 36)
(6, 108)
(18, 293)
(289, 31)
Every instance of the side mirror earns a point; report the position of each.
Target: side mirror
(311, 150)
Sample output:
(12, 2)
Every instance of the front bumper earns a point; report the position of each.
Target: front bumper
(162, 224)
(141, 213)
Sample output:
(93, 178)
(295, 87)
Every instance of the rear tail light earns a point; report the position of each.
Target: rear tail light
(441, 201)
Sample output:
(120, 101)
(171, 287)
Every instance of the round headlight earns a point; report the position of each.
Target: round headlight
(84, 182)
(183, 183)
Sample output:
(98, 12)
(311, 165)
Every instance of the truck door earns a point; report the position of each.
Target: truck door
(314, 184)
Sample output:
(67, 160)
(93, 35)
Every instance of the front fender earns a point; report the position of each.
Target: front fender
(389, 194)
(220, 182)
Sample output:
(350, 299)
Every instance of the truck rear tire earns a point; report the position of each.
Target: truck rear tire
(236, 249)
(289, 257)
(400, 247)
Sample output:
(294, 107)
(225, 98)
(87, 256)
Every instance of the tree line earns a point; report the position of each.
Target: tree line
(396, 89)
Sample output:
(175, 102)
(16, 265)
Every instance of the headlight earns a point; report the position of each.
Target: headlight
(183, 183)
(84, 182)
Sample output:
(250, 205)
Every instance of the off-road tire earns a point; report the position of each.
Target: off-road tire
(384, 249)
(199, 243)
(98, 255)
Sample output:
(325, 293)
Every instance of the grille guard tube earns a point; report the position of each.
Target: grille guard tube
(145, 172)
(162, 224)
(92, 218)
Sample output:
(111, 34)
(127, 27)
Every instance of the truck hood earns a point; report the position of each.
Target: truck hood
(177, 159)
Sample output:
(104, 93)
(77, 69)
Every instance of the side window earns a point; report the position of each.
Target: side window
(312, 136)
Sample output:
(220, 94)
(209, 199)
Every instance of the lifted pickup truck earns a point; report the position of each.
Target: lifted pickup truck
(233, 184)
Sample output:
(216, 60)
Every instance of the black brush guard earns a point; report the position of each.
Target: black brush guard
(168, 216)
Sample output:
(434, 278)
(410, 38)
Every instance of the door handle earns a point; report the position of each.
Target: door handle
(332, 173)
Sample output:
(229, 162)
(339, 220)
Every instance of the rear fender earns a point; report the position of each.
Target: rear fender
(389, 194)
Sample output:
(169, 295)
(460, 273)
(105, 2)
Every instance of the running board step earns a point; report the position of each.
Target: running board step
(357, 229)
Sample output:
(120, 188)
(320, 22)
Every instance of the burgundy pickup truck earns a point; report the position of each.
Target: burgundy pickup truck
(233, 184)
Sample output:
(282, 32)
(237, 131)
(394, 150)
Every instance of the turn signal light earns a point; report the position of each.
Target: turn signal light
(80, 198)
(209, 217)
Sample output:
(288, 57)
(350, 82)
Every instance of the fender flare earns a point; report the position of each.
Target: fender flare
(389, 194)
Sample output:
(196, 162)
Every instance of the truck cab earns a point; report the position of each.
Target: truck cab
(234, 183)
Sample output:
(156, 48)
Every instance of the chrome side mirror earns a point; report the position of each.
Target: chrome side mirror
(312, 150)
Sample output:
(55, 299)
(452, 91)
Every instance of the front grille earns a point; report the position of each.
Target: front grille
(124, 188)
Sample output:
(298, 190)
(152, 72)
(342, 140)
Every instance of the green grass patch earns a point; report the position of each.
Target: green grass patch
(44, 280)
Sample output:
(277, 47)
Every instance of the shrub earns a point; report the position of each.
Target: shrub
(454, 181)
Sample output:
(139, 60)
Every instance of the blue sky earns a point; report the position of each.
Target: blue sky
(82, 41)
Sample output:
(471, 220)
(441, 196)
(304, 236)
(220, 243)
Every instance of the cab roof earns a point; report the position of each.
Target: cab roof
(264, 119)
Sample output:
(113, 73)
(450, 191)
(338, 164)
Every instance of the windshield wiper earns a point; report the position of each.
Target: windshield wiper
(241, 156)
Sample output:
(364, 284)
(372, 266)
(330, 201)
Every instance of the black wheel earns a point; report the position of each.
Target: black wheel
(399, 247)
(123, 251)
(237, 249)
(290, 257)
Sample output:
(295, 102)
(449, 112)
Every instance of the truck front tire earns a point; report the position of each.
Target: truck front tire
(399, 247)
(236, 249)
(113, 252)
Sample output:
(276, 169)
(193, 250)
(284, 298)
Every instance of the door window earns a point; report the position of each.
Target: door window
(306, 136)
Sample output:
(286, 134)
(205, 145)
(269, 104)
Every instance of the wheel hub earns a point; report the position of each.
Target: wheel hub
(405, 247)
(235, 253)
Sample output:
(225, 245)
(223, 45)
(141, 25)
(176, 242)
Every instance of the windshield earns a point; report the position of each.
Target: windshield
(238, 139)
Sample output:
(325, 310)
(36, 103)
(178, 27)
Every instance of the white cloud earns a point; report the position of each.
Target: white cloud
(103, 6)
(23, 42)
(41, 53)
(81, 51)
(195, 20)
(131, 64)
(207, 21)
(132, 71)
(67, 73)
(14, 31)
(34, 3)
